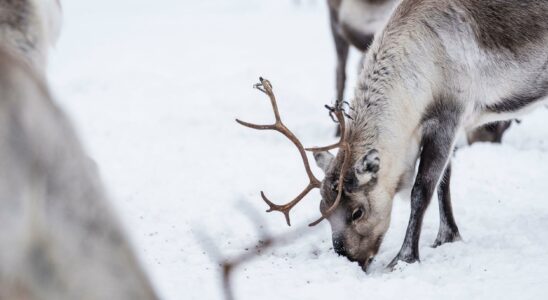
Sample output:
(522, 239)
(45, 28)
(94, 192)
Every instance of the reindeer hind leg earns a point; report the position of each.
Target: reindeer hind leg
(448, 231)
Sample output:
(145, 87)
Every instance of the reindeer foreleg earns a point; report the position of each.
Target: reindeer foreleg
(440, 126)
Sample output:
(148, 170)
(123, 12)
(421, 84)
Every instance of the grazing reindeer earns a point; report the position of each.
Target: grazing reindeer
(438, 68)
(354, 23)
(60, 239)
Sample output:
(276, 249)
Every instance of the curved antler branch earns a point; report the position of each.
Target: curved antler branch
(287, 207)
(343, 144)
(265, 87)
(322, 149)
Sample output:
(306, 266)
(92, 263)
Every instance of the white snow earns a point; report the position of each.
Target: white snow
(154, 87)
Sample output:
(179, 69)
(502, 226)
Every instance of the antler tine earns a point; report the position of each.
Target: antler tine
(338, 110)
(345, 147)
(265, 87)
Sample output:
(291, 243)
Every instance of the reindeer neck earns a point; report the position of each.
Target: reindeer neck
(390, 98)
(372, 109)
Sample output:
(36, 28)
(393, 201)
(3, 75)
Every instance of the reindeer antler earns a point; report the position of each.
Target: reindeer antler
(265, 87)
(339, 112)
(279, 126)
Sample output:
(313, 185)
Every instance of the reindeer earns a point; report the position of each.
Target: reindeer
(436, 70)
(354, 23)
(60, 239)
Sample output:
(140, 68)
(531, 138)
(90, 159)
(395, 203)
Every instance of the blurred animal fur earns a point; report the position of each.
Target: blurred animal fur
(60, 239)
(28, 28)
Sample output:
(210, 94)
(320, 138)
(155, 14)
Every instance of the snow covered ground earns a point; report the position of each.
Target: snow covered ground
(154, 87)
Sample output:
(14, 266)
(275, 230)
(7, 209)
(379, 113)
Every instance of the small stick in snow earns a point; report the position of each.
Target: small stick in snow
(228, 265)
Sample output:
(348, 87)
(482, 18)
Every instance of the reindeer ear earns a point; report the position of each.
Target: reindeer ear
(323, 160)
(367, 167)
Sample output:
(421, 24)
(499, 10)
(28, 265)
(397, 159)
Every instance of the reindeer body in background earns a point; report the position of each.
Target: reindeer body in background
(60, 239)
(354, 23)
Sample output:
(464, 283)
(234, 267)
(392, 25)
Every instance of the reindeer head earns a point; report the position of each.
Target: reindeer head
(360, 220)
(348, 190)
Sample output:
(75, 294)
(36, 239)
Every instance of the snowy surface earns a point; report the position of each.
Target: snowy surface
(154, 87)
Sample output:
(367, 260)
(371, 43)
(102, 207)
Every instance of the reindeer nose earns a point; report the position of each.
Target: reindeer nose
(365, 264)
(338, 246)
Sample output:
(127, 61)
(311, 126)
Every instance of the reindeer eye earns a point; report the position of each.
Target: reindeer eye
(357, 214)
(335, 185)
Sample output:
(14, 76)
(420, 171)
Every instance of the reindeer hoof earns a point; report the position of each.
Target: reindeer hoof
(447, 237)
(409, 259)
